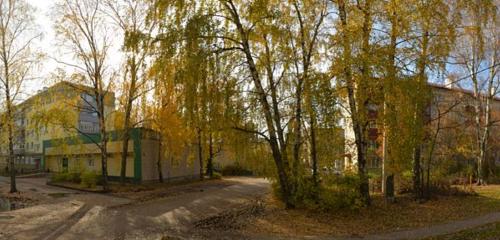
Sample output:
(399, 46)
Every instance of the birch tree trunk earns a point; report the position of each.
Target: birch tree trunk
(18, 60)
(355, 110)
(271, 117)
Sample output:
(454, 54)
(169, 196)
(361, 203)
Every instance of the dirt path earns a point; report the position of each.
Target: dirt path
(411, 234)
(37, 221)
(38, 189)
(56, 210)
(67, 224)
(28, 184)
(171, 216)
(80, 215)
(97, 216)
(436, 230)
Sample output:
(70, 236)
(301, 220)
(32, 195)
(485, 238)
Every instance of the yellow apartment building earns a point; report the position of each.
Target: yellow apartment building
(57, 130)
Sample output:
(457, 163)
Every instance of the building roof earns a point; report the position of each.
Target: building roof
(458, 90)
(76, 86)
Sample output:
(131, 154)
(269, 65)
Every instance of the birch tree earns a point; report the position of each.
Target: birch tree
(310, 16)
(82, 29)
(18, 59)
(477, 53)
(356, 87)
(254, 37)
(397, 28)
(131, 18)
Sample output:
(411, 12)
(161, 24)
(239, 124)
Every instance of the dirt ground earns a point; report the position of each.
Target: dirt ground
(31, 192)
(232, 208)
(406, 219)
(132, 212)
(142, 193)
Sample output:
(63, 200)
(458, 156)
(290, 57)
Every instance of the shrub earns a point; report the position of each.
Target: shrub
(59, 177)
(405, 182)
(375, 179)
(73, 177)
(216, 175)
(90, 179)
(235, 170)
(333, 193)
(306, 193)
(494, 178)
(341, 192)
(66, 177)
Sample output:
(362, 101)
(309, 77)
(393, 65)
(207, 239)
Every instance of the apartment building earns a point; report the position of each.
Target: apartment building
(57, 129)
(450, 118)
(80, 153)
(374, 136)
(453, 114)
(55, 112)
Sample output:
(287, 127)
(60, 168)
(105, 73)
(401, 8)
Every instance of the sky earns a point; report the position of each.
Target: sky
(49, 45)
(44, 20)
(42, 16)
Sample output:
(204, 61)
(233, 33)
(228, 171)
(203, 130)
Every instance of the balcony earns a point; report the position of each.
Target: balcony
(19, 151)
(373, 133)
(372, 114)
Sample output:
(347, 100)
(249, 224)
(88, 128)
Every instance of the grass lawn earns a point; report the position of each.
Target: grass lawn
(486, 232)
(380, 217)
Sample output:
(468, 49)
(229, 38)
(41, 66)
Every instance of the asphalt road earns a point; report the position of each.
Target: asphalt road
(97, 216)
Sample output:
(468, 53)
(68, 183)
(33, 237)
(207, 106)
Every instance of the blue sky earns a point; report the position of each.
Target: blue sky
(44, 20)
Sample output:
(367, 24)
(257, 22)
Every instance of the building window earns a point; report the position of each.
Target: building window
(438, 98)
(90, 163)
(376, 162)
(470, 109)
(65, 164)
(372, 145)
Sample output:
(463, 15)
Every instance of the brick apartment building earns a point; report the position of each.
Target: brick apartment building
(454, 108)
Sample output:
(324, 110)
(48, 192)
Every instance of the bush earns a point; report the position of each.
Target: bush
(494, 178)
(405, 182)
(59, 177)
(375, 179)
(90, 179)
(236, 170)
(341, 192)
(66, 177)
(333, 193)
(216, 175)
(306, 193)
(73, 177)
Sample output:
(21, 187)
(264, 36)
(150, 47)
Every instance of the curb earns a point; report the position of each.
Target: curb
(78, 189)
